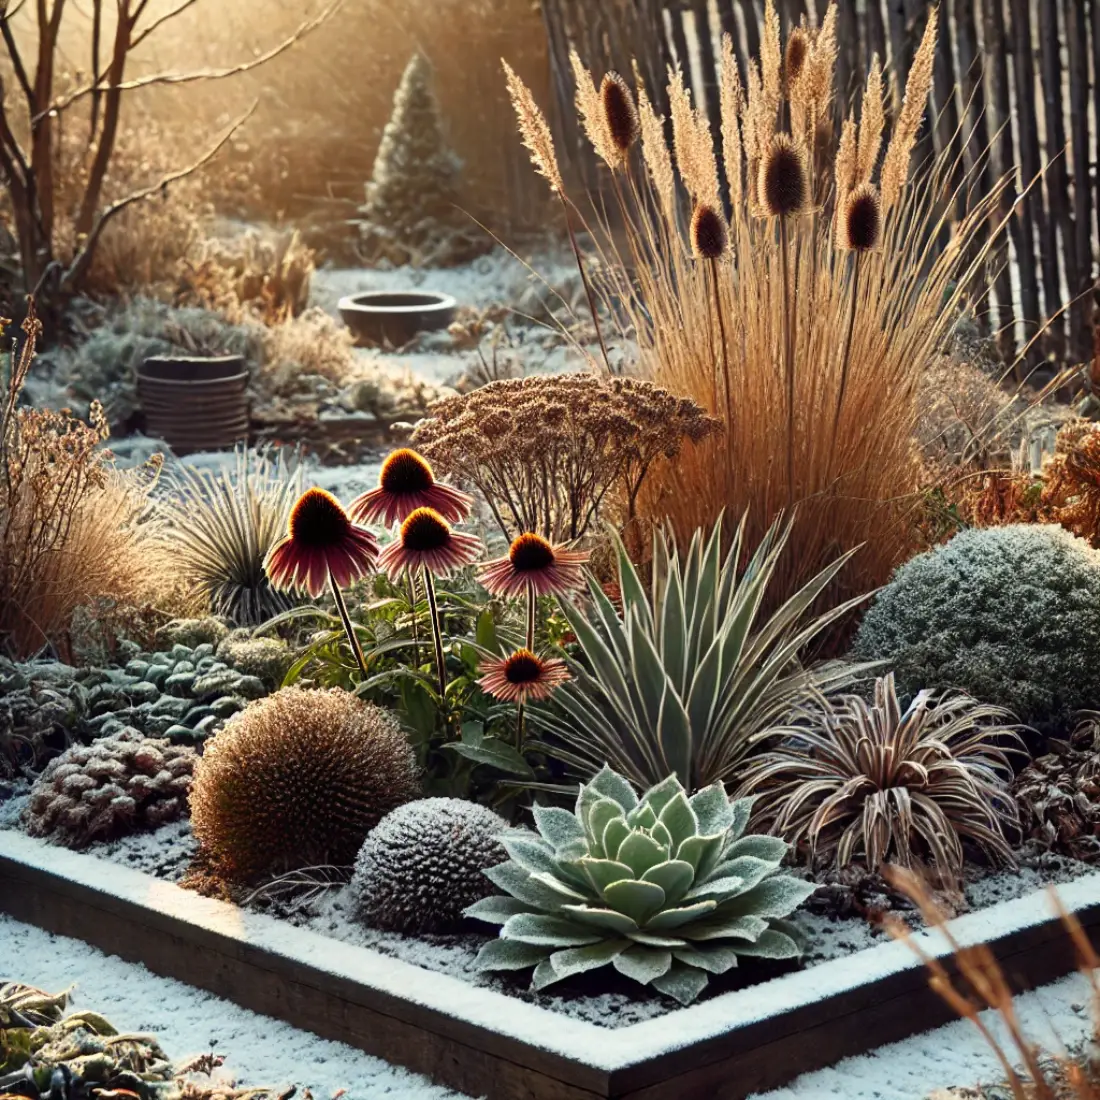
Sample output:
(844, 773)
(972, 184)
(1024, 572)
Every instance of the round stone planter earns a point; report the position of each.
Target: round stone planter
(194, 403)
(395, 317)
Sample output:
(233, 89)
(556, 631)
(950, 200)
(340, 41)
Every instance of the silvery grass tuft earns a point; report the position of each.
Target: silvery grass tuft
(815, 420)
(665, 888)
(693, 669)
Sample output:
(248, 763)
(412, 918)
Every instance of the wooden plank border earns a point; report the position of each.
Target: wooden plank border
(487, 1044)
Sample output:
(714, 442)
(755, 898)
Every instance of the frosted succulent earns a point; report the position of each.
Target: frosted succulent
(667, 889)
(1010, 615)
(424, 862)
(265, 658)
(115, 786)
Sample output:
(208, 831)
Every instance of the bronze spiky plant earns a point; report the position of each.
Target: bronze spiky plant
(550, 453)
(882, 783)
(861, 490)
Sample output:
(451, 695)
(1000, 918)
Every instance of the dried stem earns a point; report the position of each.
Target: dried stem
(584, 279)
(349, 629)
(437, 635)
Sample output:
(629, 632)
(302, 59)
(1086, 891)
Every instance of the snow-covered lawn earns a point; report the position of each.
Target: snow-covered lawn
(262, 1051)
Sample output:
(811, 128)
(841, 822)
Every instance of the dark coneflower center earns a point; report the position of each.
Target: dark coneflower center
(523, 667)
(406, 472)
(318, 520)
(425, 530)
(530, 553)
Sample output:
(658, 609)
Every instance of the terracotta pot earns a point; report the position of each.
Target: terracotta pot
(194, 403)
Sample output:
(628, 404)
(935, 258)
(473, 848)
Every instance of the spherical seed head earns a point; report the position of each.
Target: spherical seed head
(798, 49)
(404, 471)
(784, 179)
(425, 530)
(709, 235)
(318, 520)
(619, 113)
(530, 552)
(522, 668)
(861, 220)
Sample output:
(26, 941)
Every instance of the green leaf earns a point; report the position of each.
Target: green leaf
(554, 883)
(774, 897)
(602, 872)
(771, 945)
(495, 910)
(723, 927)
(643, 964)
(702, 852)
(679, 819)
(596, 821)
(674, 876)
(771, 848)
(658, 797)
(508, 955)
(485, 633)
(651, 939)
(750, 870)
(683, 983)
(557, 826)
(514, 880)
(544, 975)
(613, 836)
(608, 919)
(531, 852)
(715, 889)
(674, 734)
(641, 817)
(741, 811)
(714, 958)
(638, 900)
(577, 960)
(640, 852)
(612, 785)
(670, 919)
(493, 751)
(544, 930)
(712, 809)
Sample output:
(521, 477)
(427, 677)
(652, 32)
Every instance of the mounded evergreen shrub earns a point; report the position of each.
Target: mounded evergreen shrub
(1010, 615)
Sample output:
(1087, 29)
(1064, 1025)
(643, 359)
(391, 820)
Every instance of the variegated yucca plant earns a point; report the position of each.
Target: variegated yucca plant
(691, 672)
(665, 888)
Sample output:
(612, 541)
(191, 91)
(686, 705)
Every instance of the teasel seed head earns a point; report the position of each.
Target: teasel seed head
(860, 224)
(709, 233)
(619, 113)
(784, 190)
(794, 61)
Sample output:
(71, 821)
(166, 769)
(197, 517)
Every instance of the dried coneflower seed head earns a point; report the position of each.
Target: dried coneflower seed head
(523, 667)
(794, 63)
(529, 552)
(784, 180)
(405, 471)
(318, 519)
(425, 530)
(861, 220)
(619, 113)
(709, 235)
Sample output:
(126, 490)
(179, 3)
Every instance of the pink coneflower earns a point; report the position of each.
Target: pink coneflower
(534, 567)
(322, 546)
(321, 543)
(427, 542)
(405, 484)
(522, 676)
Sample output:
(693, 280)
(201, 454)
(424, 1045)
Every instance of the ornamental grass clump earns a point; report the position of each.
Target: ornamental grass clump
(692, 669)
(823, 236)
(298, 780)
(881, 783)
(551, 453)
(1010, 615)
(665, 888)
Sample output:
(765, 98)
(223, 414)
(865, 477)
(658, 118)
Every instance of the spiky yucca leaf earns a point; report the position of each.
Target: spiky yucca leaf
(221, 524)
(665, 888)
(875, 782)
(691, 671)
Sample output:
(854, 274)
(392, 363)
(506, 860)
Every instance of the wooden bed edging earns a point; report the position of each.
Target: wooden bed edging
(488, 1044)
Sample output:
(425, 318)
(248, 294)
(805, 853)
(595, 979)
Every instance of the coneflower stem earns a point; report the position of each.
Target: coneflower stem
(788, 356)
(722, 344)
(519, 727)
(584, 279)
(531, 603)
(412, 610)
(846, 359)
(437, 634)
(345, 618)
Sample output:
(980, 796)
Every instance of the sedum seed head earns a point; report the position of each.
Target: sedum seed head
(784, 179)
(709, 234)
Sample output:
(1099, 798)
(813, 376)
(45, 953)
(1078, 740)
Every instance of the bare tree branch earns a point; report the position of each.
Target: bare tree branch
(17, 58)
(209, 74)
(83, 259)
(4, 13)
(146, 31)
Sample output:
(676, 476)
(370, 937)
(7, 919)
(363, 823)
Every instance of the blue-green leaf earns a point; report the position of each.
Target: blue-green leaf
(674, 735)
(670, 919)
(638, 900)
(715, 889)
(674, 876)
(495, 910)
(613, 836)
(557, 826)
(576, 960)
(679, 818)
(777, 896)
(750, 870)
(723, 927)
(714, 958)
(531, 852)
(640, 852)
(612, 785)
(662, 794)
(771, 945)
(541, 929)
(643, 964)
(514, 880)
(599, 814)
(566, 891)
(508, 955)
(771, 848)
(682, 982)
(652, 939)
(712, 809)
(602, 872)
(609, 919)
(702, 852)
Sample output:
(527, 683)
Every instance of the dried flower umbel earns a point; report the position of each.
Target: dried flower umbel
(547, 451)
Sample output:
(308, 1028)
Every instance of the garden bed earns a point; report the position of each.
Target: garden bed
(482, 1042)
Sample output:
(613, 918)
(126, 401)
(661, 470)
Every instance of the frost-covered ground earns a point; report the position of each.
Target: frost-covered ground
(262, 1051)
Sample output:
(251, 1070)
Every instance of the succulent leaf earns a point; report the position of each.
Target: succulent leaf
(643, 964)
(558, 827)
(576, 960)
(682, 982)
(602, 872)
(774, 897)
(495, 910)
(610, 919)
(509, 955)
(532, 853)
(669, 919)
(674, 876)
(713, 958)
(518, 882)
(640, 852)
(542, 929)
(679, 819)
(638, 900)
(613, 836)
(771, 848)
(612, 785)
(566, 891)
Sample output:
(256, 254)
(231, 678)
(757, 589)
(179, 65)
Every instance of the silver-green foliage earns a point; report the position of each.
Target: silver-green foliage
(692, 672)
(665, 888)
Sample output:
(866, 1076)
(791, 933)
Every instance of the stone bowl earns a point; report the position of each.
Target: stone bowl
(394, 317)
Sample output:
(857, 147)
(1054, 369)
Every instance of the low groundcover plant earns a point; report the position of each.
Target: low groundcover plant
(665, 888)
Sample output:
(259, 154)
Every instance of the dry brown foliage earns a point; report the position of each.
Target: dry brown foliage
(547, 452)
(842, 450)
(71, 529)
